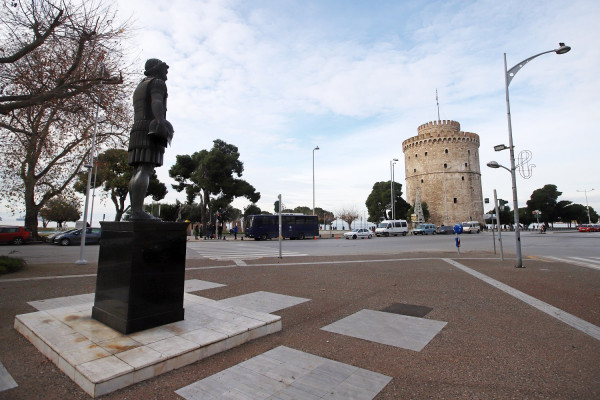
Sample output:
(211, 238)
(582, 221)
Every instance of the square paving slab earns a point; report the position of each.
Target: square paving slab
(102, 360)
(6, 381)
(410, 333)
(264, 301)
(194, 285)
(284, 374)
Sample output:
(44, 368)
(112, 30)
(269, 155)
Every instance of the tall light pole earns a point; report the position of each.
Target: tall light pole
(316, 148)
(508, 76)
(586, 204)
(94, 193)
(392, 163)
(90, 166)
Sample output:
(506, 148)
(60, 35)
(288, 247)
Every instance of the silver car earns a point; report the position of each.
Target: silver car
(92, 236)
(425, 229)
(358, 233)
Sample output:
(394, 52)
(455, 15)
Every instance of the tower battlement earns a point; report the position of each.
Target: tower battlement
(440, 131)
(442, 124)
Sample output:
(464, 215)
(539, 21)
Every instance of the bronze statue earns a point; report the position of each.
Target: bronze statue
(150, 134)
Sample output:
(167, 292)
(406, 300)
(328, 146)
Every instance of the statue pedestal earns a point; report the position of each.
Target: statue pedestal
(141, 273)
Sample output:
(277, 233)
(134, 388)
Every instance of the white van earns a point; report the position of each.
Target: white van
(389, 227)
(471, 227)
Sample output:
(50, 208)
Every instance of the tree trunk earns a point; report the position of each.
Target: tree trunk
(203, 203)
(31, 213)
(119, 202)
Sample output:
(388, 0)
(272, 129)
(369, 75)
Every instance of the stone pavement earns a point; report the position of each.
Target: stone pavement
(488, 330)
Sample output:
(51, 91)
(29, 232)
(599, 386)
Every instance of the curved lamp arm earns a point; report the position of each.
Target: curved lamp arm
(513, 71)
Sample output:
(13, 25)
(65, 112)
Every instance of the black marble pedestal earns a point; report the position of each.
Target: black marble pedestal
(141, 274)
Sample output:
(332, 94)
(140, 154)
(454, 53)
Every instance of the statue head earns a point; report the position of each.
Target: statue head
(157, 68)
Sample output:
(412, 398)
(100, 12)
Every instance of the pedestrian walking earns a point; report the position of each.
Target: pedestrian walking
(235, 229)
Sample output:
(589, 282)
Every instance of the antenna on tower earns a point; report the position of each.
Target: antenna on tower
(438, 104)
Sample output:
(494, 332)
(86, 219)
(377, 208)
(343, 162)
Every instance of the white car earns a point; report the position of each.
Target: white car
(471, 227)
(358, 233)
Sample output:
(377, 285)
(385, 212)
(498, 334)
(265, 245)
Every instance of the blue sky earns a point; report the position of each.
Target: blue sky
(356, 78)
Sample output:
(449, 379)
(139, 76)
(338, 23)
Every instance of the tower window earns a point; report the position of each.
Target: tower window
(446, 151)
(416, 155)
(421, 180)
(455, 200)
(425, 154)
(466, 165)
(463, 178)
(445, 165)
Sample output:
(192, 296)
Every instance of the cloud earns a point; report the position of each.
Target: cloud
(277, 79)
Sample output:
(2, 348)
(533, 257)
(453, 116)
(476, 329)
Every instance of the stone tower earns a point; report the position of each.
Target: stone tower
(442, 163)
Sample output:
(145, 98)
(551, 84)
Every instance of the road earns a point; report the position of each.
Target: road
(555, 244)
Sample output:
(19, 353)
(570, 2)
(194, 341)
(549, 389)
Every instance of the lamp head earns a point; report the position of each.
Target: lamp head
(316, 148)
(493, 164)
(500, 147)
(562, 49)
(395, 159)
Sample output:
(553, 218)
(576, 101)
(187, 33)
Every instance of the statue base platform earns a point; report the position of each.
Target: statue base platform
(141, 273)
(101, 360)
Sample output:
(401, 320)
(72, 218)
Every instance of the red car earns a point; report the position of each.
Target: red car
(585, 228)
(14, 235)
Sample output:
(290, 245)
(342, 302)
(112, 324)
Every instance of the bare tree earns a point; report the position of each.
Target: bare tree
(45, 48)
(348, 215)
(52, 94)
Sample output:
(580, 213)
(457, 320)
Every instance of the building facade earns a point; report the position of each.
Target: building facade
(442, 164)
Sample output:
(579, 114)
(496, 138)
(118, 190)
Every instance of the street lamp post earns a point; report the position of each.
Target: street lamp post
(94, 193)
(508, 76)
(90, 166)
(392, 163)
(316, 148)
(586, 204)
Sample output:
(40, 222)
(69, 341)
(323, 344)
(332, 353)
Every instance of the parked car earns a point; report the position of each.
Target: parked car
(14, 235)
(50, 238)
(446, 230)
(92, 236)
(471, 227)
(425, 229)
(358, 233)
(585, 228)
(596, 228)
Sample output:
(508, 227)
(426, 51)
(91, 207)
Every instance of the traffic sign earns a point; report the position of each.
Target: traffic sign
(458, 229)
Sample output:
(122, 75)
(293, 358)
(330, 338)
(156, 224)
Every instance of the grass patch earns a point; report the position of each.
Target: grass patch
(11, 264)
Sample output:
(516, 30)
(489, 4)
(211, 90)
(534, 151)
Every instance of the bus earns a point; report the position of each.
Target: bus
(293, 226)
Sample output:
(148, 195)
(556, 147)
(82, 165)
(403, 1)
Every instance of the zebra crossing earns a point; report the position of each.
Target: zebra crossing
(235, 250)
(587, 262)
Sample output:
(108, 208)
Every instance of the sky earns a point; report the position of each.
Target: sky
(278, 78)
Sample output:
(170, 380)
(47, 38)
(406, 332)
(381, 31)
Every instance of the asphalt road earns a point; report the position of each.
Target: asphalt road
(557, 244)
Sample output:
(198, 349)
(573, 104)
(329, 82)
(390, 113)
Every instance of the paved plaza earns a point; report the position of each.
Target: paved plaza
(416, 326)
